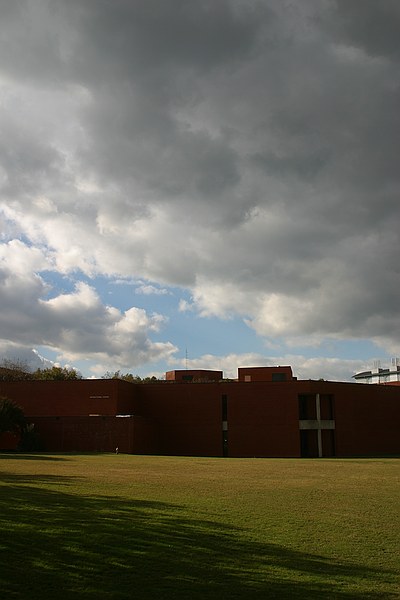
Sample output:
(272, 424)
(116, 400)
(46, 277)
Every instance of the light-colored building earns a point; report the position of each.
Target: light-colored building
(377, 374)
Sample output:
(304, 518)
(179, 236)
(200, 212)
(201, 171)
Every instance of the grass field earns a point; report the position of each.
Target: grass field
(120, 526)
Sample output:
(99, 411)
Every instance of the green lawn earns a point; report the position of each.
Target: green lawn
(119, 526)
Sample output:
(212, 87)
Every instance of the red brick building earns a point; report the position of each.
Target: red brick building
(265, 413)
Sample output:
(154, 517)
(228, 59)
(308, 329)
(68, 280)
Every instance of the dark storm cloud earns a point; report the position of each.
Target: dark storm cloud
(27, 163)
(247, 151)
(151, 35)
(372, 26)
(142, 62)
(101, 41)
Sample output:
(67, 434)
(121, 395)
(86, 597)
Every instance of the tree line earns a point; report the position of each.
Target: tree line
(18, 371)
(128, 377)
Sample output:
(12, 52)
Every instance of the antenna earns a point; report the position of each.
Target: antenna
(186, 359)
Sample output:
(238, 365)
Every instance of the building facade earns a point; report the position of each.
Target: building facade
(264, 413)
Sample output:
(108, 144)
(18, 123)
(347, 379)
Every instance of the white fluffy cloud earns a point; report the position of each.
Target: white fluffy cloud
(77, 325)
(246, 152)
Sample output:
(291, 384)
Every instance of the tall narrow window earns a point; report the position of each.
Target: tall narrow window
(224, 415)
(224, 407)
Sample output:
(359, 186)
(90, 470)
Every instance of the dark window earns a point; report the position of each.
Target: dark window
(278, 376)
(224, 415)
(224, 407)
(307, 407)
(309, 443)
(187, 377)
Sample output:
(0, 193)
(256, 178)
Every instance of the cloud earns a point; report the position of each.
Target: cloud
(374, 29)
(246, 152)
(148, 290)
(84, 328)
(28, 358)
(77, 325)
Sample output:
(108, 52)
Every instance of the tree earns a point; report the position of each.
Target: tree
(152, 379)
(12, 418)
(128, 377)
(14, 370)
(30, 440)
(124, 377)
(56, 374)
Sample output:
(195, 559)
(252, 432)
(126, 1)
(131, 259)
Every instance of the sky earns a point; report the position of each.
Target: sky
(200, 184)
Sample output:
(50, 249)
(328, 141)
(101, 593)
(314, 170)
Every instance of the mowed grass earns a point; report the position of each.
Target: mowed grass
(120, 526)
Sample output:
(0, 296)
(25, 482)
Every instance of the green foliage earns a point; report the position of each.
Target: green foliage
(150, 379)
(56, 374)
(30, 440)
(12, 418)
(124, 377)
(128, 377)
(14, 370)
(19, 371)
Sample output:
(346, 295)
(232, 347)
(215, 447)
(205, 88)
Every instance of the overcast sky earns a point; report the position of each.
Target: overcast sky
(201, 183)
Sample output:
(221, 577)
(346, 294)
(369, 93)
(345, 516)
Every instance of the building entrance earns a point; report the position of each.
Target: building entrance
(317, 426)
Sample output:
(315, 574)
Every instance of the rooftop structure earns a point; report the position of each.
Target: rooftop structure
(194, 375)
(390, 375)
(249, 374)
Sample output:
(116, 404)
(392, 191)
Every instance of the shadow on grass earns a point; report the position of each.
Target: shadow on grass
(12, 455)
(61, 545)
(39, 479)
